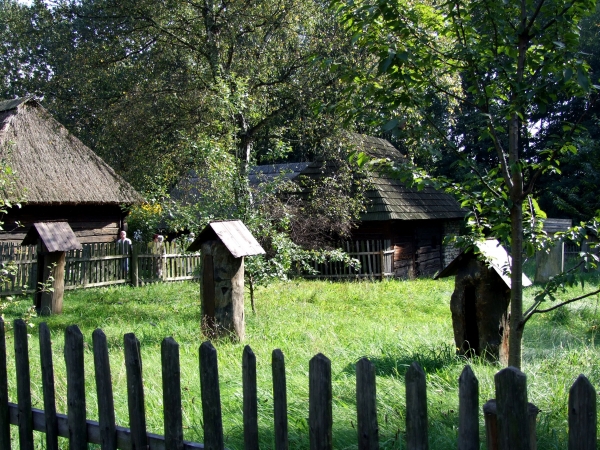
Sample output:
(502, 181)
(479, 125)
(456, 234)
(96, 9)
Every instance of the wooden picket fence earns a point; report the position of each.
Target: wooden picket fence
(508, 422)
(102, 264)
(376, 259)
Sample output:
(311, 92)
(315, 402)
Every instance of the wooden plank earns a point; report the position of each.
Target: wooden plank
(76, 411)
(468, 410)
(320, 416)
(250, 399)
(106, 407)
(211, 397)
(171, 381)
(416, 409)
(490, 415)
(511, 403)
(280, 417)
(582, 415)
(48, 387)
(135, 392)
(155, 441)
(366, 406)
(4, 410)
(25, 420)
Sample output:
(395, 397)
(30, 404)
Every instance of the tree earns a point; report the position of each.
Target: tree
(143, 81)
(506, 63)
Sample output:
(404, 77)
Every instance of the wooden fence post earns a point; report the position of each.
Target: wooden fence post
(211, 397)
(416, 409)
(48, 388)
(582, 415)
(279, 401)
(320, 420)
(134, 267)
(23, 386)
(135, 392)
(106, 407)
(171, 378)
(468, 410)
(511, 402)
(76, 413)
(366, 406)
(250, 399)
(4, 411)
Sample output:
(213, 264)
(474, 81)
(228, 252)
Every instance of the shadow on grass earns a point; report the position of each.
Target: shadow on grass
(395, 362)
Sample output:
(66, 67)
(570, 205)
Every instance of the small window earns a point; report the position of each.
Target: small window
(434, 242)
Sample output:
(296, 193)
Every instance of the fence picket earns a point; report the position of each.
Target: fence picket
(515, 419)
(250, 399)
(320, 417)
(106, 407)
(582, 415)
(4, 411)
(280, 417)
(211, 397)
(416, 409)
(171, 377)
(135, 392)
(75, 388)
(366, 406)
(48, 387)
(25, 417)
(468, 410)
(511, 403)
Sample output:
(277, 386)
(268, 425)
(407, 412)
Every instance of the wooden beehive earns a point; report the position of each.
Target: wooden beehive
(479, 303)
(223, 246)
(53, 240)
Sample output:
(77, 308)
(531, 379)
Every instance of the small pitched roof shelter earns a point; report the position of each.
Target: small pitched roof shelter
(53, 166)
(233, 234)
(493, 253)
(56, 236)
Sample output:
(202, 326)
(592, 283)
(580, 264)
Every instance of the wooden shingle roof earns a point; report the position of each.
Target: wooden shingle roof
(388, 198)
(233, 234)
(56, 236)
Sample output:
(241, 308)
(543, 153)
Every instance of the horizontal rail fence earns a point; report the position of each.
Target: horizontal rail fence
(572, 251)
(508, 418)
(101, 264)
(376, 259)
(169, 263)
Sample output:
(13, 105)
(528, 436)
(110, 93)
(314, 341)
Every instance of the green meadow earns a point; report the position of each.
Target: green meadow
(393, 323)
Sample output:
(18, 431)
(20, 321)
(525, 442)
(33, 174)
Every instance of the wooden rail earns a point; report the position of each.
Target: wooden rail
(510, 424)
(376, 259)
(101, 264)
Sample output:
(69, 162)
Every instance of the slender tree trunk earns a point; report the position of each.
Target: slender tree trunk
(516, 279)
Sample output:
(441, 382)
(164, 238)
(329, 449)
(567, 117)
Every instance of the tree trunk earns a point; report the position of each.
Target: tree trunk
(516, 292)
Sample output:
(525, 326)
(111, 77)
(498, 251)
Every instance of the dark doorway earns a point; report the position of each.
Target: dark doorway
(471, 322)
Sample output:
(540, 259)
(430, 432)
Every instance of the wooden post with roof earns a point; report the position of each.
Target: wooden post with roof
(53, 240)
(223, 245)
(479, 303)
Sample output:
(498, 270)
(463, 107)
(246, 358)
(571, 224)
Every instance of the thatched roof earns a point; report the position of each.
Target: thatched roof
(52, 166)
(389, 199)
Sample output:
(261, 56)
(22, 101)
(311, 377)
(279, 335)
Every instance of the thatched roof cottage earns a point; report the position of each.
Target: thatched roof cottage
(58, 177)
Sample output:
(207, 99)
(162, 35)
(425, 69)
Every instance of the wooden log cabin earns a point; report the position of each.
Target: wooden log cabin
(415, 222)
(57, 177)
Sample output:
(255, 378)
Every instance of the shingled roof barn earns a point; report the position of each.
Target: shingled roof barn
(58, 177)
(414, 221)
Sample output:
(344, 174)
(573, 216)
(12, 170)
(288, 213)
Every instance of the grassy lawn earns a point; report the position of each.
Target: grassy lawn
(393, 323)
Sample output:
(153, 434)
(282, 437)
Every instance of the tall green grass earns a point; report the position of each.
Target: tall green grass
(393, 323)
